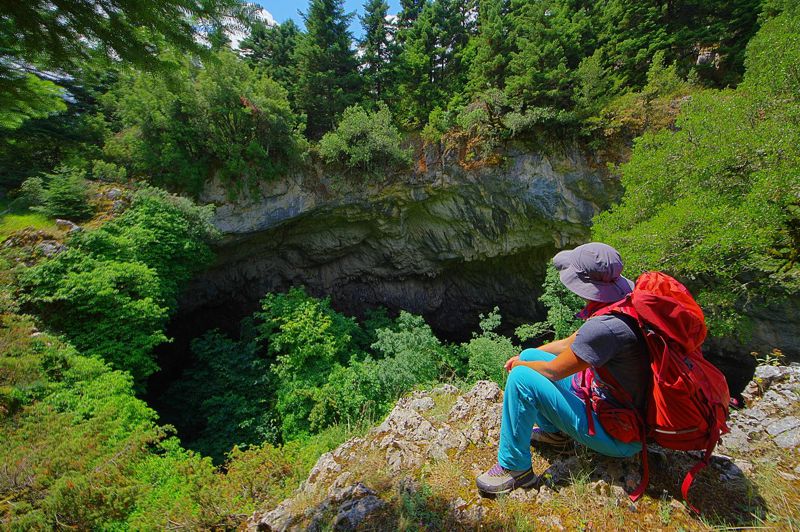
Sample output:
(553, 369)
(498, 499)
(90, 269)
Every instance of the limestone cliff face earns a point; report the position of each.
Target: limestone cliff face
(443, 241)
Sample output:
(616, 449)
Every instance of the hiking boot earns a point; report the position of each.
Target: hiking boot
(501, 480)
(558, 440)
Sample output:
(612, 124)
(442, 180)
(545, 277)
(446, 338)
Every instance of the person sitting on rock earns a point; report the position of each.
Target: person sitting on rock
(539, 389)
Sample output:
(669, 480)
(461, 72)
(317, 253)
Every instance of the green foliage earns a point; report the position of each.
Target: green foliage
(80, 450)
(411, 354)
(561, 305)
(365, 141)
(434, 60)
(715, 202)
(488, 351)
(306, 338)
(112, 291)
(223, 120)
(106, 171)
(28, 96)
(66, 195)
(651, 109)
(223, 399)
(271, 48)
(377, 47)
(328, 80)
(31, 192)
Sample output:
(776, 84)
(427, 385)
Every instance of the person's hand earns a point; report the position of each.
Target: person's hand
(510, 363)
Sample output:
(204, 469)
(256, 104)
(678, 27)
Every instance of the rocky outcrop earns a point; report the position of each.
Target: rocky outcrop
(436, 442)
(446, 242)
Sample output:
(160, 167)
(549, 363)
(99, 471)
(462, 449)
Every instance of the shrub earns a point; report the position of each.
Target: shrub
(106, 171)
(561, 305)
(222, 119)
(715, 201)
(366, 141)
(488, 351)
(31, 192)
(66, 195)
(112, 291)
(306, 338)
(223, 399)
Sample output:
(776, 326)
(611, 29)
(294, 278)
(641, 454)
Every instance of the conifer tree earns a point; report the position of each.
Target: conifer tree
(552, 37)
(272, 48)
(410, 10)
(493, 46)
(376, 47)
(328, 80)
(434, 64)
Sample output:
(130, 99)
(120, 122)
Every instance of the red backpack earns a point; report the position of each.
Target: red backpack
(687, 400)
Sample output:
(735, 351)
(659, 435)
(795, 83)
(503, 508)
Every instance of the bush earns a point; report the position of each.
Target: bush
(222, 119)
(112, 291)
(306, 338)
(31, 192)
(561, 305)
(106, 171)
(488, 351)
(66, 195)
(366, 141)
(715, 201)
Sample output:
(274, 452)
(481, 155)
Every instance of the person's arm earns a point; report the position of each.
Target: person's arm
(555, 347)
(558, 346)
(565, 364)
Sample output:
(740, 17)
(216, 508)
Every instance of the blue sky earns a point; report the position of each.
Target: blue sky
(283, 10)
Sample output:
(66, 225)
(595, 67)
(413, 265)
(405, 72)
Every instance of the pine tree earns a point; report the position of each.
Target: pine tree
(410, 10)
(328, 80)
(272, 48)
(552, 37)
(493, 46)
(434, 64)
(376, 47)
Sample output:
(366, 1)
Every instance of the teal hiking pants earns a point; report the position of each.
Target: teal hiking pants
(531, 398)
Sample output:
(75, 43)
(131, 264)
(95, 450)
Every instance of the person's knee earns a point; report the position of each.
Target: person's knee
(526, 382)
(531, 355)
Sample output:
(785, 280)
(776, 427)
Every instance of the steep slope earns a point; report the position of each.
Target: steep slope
(416, 470)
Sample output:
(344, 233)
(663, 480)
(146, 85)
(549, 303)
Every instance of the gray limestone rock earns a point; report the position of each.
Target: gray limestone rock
(68, 226)
(779, 426)
(50, 248)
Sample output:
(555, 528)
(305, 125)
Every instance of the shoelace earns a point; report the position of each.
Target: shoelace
(497, 470)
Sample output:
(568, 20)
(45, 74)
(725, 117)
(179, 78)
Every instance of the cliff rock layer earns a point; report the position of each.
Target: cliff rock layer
(444, 242)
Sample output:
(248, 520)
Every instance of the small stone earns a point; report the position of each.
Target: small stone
(552, 522)
(600, 487)
(118, 206)
(68, 226)
(545, 495)
(485, 391)
(352, 513)
(789, 439)
(677, 505)
(782, 425)
(113, 193)
(788, 476)
(523, 495)
(421, 404)
(445, 389)
(459, 503)
(775, 400)
(49, 248)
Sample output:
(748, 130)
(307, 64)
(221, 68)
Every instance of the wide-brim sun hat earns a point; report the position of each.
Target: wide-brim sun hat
(594, 272)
